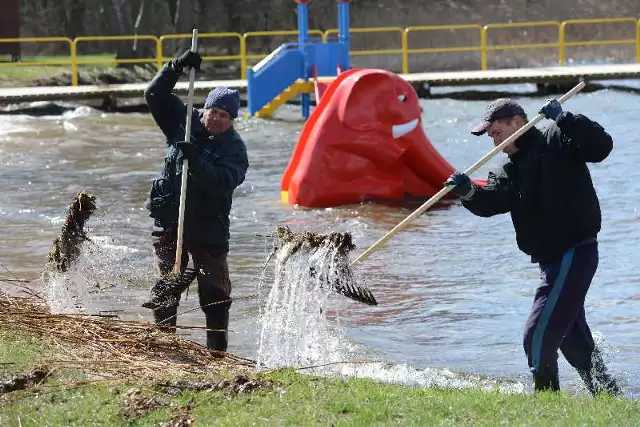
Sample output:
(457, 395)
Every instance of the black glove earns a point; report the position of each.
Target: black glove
(187, 59)
(190, 150)
(463, 187)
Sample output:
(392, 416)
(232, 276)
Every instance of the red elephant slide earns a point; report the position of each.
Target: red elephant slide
(364, 142)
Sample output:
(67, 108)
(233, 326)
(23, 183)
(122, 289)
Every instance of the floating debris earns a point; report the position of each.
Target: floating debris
(66, 247)
(166, 291)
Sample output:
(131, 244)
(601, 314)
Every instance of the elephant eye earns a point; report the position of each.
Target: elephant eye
(402, 98)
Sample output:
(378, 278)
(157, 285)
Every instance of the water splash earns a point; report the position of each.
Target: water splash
(295, 330)
(66, 292)
(431, 377)
(102, 273)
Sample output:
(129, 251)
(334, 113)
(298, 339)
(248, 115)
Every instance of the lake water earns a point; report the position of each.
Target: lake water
(454, 290)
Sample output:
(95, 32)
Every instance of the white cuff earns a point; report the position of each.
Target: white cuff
(470, 194)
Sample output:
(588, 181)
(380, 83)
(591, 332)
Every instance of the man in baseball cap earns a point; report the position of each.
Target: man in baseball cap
(546, 187)
(501, 108)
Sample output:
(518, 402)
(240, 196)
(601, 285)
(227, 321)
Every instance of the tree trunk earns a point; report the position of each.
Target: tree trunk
(120, 23)
(234, 21)
(184, 23)
(75, 18)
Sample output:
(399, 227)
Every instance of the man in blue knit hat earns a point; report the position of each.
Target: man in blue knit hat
(218, 163)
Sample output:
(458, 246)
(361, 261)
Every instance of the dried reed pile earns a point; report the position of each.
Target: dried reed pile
(106, 347)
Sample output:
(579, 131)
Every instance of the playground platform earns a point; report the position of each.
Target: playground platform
(538, 75)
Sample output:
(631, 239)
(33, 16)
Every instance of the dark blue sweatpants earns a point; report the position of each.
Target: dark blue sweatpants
(557, 319)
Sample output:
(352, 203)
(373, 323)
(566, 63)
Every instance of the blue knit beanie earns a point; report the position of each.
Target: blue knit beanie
(225, 99)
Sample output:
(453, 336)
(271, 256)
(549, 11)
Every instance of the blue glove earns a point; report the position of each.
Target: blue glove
(551, 109)
(189, 150)
(463, 187)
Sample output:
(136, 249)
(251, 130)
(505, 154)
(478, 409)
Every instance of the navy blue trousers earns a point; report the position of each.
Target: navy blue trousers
(557, 319)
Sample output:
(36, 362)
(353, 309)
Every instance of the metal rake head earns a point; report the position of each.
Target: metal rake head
(355, 292)
(345, 286)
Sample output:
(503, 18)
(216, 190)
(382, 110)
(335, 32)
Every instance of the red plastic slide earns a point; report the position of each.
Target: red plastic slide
(364, 142)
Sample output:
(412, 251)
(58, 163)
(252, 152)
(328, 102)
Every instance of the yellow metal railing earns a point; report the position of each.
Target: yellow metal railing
(404, 49)
(75, 61)
(563, 43)
(39, 40)
(432, 28)
(486, 47)
(241, 56)
(398, 30)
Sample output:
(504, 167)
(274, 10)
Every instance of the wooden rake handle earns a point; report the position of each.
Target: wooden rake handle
(440, 194)
(177, 266)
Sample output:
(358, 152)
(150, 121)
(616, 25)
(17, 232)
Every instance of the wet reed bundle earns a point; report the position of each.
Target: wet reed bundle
(66, 247)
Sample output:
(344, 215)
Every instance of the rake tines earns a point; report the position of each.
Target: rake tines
(344, 284)
(355, 292)
(334, 270)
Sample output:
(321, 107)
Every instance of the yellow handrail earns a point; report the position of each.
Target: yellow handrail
(240, 57)
(38, 40)
(243, 56)
(563, 42)
(486, 48)
(74, 52)
(401, 51)
(407, 51)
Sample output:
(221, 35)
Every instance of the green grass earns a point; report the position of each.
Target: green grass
(290, 399)
(18, 352)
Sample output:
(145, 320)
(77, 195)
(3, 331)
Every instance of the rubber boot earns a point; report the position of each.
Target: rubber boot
(546, 381)
(217, 319)
(166, 316)
(597, 379)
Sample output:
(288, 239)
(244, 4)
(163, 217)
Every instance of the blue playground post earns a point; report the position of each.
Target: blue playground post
(303, 40)
(303, 60)
(343, 33)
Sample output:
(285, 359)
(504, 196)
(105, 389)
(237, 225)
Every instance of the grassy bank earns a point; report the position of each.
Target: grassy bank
(83, 370)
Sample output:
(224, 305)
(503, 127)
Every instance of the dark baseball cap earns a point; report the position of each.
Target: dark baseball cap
(501, 108)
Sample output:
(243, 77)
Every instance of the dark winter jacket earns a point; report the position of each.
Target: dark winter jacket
(547, 187)
(212, 179)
